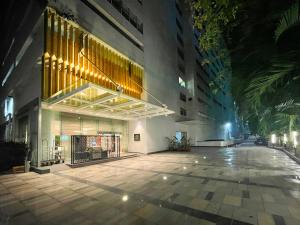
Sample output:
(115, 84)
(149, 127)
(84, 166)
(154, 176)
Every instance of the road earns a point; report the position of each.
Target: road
(243, 185)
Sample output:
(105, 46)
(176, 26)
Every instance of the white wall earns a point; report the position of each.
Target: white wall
(154, 133)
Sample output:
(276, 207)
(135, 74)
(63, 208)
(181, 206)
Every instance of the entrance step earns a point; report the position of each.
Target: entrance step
(40, 170)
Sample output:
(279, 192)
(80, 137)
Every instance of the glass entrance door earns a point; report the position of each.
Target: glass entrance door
(85, 148)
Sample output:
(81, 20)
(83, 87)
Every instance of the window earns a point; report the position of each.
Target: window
(202, 101)
(179, 25)
(179, 39)
(125, 11)
(181, 68)
(181, 82)
(182, 112)
(182, 97)
(217, 103)
(200, 89)
(180, 53)
(204, 82)
(198, 51)
(180, 135)
(178, 9)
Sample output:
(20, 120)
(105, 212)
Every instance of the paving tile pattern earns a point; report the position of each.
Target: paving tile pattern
(224, 186)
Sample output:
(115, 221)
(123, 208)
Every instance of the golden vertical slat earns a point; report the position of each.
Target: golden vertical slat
(46, 60)
(104, 65)
(101, 65)
(87, 77)
(77, 58)
(94, 61)
(63, 68)
(52, 52)
(86, 52)
(73, 74)
(97, 63)
(64, 55)
(69, 56)
(109, 72)
(55, 66)
(91, 74)
(58, 61)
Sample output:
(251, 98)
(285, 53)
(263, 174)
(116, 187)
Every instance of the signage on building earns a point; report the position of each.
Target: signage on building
(137, 137)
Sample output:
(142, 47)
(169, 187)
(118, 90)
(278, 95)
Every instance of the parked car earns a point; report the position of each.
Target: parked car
(261, 141)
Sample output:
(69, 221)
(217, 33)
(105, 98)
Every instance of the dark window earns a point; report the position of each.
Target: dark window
(179, 25)
(125, 11)
(202, 101)
(217, 103)
(178, 9)
(204, 82)
(196, 36)
(181, 68)
(182, 112)
(180, 53)
(198, 51)
(182, 97)
(179, 39)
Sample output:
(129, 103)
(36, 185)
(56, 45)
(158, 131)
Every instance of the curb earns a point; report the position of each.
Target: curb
(296, 159)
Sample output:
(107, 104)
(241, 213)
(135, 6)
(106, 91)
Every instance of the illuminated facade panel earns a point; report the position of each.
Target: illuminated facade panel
(72, 57)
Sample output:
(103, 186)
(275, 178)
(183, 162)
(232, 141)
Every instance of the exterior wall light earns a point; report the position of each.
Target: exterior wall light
(285, 139)
(294, 136)
(273, 138)
(227, 131)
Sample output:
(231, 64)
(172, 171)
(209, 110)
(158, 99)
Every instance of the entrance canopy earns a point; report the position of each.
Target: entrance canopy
(94, 100)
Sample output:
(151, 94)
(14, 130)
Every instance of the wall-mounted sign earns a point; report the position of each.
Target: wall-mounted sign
(137, 137)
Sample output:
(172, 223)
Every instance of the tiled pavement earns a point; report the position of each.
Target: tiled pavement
(246, 185)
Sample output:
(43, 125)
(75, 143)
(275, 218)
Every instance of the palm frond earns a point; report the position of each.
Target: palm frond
(261, 84)
(290, 18)
(285, 105)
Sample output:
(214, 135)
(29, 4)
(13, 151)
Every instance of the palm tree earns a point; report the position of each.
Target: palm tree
(273, 93)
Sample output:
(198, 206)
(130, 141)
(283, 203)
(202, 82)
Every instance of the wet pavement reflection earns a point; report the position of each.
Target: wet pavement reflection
(243, 185)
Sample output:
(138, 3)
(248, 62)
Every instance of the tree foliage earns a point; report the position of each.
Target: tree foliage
(262, 38)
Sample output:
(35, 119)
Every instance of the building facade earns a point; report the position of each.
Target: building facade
(91, 79)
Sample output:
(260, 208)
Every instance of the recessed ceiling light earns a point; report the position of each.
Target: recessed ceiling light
(125, 198)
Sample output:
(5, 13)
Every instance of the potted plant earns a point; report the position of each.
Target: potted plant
(185, 144)
(172, 143)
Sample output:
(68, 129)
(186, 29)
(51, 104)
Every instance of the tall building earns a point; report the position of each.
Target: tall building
(91, 79)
